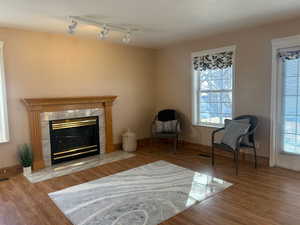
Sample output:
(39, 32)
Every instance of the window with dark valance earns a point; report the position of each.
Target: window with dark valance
(213, 75)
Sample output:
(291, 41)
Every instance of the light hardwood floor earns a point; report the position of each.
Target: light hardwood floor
(265, 196)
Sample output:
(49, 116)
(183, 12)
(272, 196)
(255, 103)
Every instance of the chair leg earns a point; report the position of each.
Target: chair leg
(212, 155)
(151, 144)
(236, 162)
(255, 158)
(175, 144)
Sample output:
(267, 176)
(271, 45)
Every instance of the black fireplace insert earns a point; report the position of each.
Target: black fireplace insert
(74, 138)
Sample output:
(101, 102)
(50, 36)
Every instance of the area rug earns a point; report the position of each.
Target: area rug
(146, 195)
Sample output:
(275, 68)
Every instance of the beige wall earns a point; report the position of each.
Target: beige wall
(51, 65)
(253, 76)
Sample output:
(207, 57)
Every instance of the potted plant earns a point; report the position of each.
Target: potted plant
(25, 155)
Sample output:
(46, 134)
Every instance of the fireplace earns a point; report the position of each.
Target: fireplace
(74, 138)
(43, 110)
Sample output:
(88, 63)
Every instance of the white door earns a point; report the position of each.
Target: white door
(286, 103)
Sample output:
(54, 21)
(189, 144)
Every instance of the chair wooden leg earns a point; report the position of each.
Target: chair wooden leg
(236, 162)
(212, 155)
(255, 158)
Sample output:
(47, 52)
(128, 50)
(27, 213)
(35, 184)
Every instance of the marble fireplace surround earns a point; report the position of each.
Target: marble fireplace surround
(69, 114)
(41, 110)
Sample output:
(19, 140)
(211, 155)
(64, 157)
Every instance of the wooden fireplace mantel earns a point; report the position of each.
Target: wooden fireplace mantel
(35, 106)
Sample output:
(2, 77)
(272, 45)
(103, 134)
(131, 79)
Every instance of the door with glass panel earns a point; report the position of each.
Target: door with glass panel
(289, 109)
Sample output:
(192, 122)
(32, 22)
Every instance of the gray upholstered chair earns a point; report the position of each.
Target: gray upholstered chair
(239, 141)
(165, 116)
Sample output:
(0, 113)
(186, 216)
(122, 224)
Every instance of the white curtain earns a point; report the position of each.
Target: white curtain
(4, 133)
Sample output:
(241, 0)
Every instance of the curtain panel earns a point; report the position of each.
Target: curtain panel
(4, 132)
(220, 60)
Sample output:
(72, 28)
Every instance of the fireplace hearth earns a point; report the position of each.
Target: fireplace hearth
(74, 138)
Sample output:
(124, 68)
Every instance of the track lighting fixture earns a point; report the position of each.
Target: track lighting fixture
(72, 27)
(105, 28)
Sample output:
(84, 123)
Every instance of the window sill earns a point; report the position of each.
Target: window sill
(4, 141)
(214, 126)
(289, 153)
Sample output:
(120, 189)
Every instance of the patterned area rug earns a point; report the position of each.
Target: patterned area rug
(146, 195)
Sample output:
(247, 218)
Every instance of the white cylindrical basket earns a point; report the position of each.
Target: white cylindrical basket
(129, 143)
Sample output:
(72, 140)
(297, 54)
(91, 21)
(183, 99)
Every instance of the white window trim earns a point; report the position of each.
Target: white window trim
(3, 90)
(194, 86)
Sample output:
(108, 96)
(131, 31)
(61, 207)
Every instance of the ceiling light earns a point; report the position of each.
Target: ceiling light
(104, 33)
(125, 30)
(105, 29)
(127, 37)
(72, 27)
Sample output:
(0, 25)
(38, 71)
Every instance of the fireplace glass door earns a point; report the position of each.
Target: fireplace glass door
(74, 138)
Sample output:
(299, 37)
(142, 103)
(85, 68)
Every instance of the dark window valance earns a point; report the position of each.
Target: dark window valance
(289, 55)
(220, 60)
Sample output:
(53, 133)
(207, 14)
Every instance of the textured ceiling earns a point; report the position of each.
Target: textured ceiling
(160, 22)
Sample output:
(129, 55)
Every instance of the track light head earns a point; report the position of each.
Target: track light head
(101, 35)
(105, 29)
(127, 37)
(104, 32)
(72, 27)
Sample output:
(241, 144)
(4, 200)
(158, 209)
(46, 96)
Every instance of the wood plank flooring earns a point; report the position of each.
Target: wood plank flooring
(265, 196)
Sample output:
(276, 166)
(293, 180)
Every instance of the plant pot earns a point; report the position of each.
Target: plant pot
(26, 171)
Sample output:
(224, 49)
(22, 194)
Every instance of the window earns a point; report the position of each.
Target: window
(213, 76)
(290, 95)
(4, 137)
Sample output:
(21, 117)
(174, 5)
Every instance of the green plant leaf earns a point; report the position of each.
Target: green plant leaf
(25, 155)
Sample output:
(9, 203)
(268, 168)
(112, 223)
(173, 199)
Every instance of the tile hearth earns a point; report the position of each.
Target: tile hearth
(77, 165)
